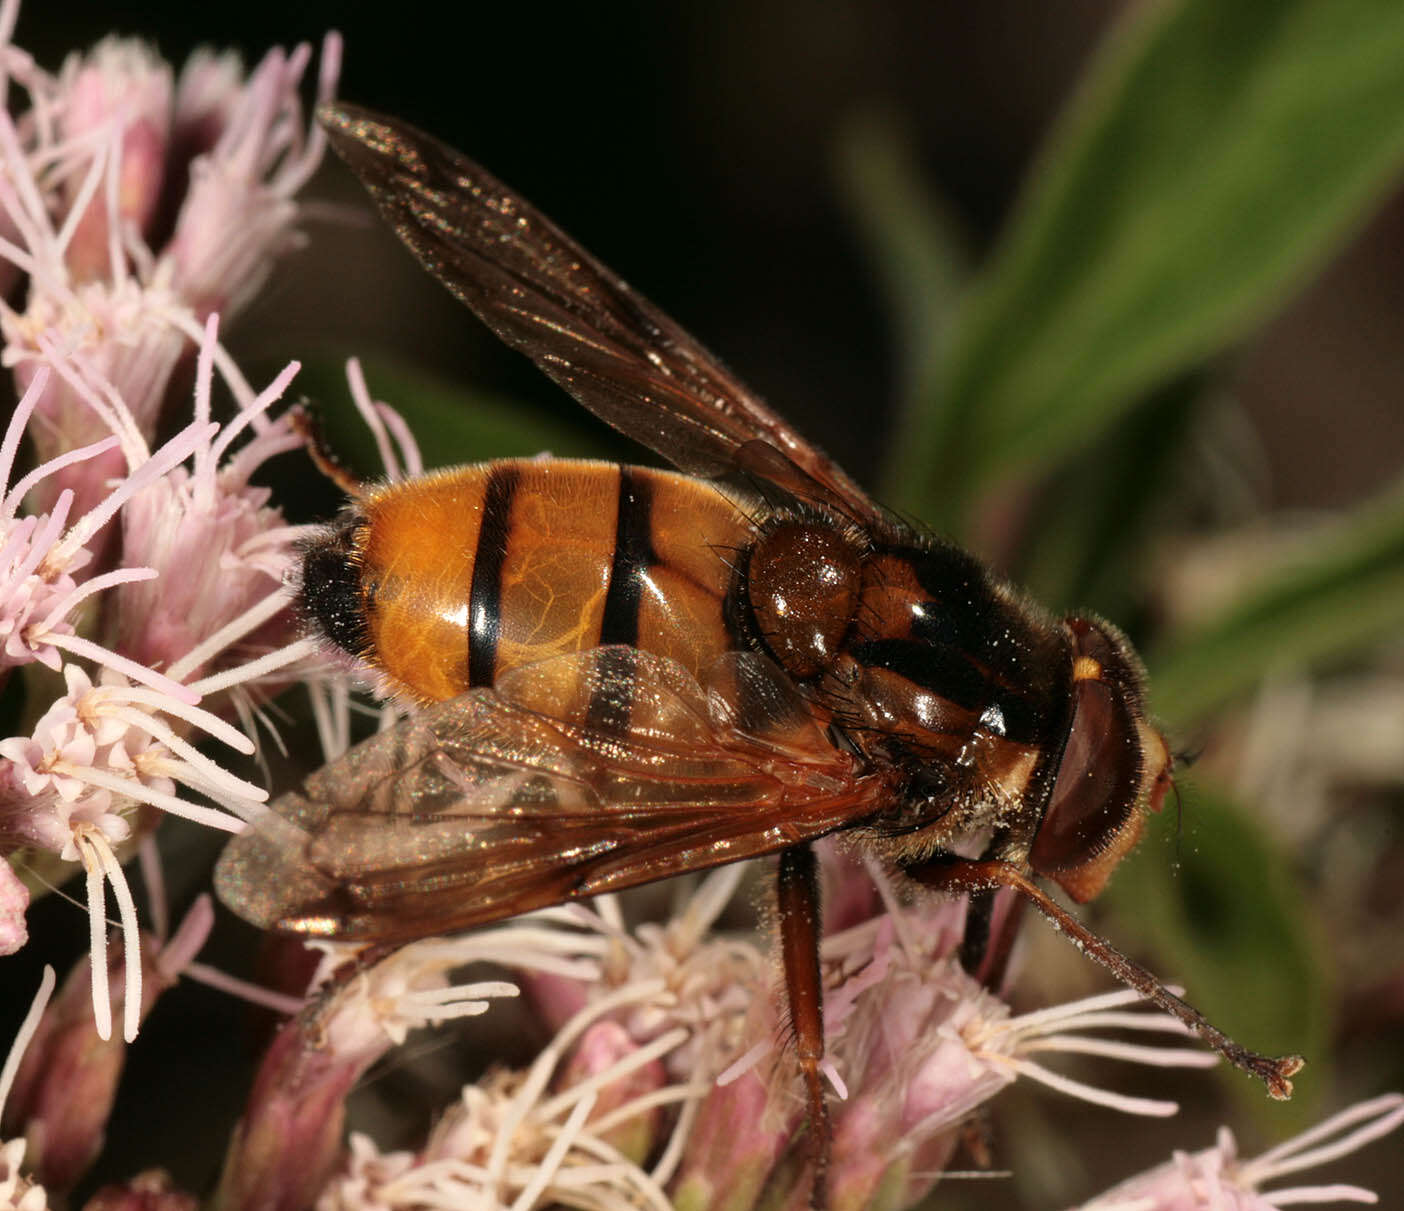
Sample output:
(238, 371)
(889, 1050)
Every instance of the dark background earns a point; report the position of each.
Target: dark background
(693, 147)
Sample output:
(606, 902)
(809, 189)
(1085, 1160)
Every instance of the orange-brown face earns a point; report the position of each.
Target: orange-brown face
(1115, 766)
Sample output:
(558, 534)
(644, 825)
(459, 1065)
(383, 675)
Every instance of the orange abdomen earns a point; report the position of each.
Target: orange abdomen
(473, 571)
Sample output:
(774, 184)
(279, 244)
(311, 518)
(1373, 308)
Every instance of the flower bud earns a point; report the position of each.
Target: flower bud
(67, 1081)
(14, 901)
(289, 1141)
(743, 1130)
(604, 1046)
(118, 97)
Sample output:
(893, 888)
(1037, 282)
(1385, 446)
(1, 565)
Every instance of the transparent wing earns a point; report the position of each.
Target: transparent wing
(546, 296)
(579, 775)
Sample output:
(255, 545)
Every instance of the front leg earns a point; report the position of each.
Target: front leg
(955, 876)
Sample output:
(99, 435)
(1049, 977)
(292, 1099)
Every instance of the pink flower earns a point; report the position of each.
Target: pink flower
(70, 787)
(662, 977)
(18, 1190)
(43, 558)
(240, 213)
(1216, 1179)
(219, 625)
(117, 97)
(48, 766)
(219, 549)
(644, 1022)
(123, 334)
(14, 901)
(915, 1047)
(288, 1142)
(512, 1141)
(83, 171)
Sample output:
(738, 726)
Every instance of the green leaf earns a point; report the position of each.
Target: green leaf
(1342, 590)
(1085, 547)
(1216, 153)
(911, 240)
(1224, 916)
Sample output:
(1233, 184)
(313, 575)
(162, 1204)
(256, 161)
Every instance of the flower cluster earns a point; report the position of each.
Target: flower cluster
(141, 583)
(1219, 1177)
(656, 1088)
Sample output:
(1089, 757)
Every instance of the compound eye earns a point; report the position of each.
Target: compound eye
(1094, 797)
(1094, 815)
(803, 581)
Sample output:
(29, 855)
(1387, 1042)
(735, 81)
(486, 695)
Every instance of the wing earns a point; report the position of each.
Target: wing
(546, 296)
(578, 775)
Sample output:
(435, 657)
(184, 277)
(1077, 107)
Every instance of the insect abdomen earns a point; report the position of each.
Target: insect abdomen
(481, 569)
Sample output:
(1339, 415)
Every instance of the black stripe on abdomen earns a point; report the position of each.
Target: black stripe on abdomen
(612, 697)
(633, 554)
(485, 591)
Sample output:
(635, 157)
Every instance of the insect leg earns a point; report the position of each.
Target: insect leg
(955, 876)
(991, 920)
(975, 943)
(999, 930)
(799, 944)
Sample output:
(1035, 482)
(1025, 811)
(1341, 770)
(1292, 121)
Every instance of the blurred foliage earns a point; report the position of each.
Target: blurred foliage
(1342, 590)
(1215, 154)
(1098, 508)
(912, 241)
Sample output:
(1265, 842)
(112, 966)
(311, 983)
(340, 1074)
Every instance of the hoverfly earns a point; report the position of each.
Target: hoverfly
(626, 673)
